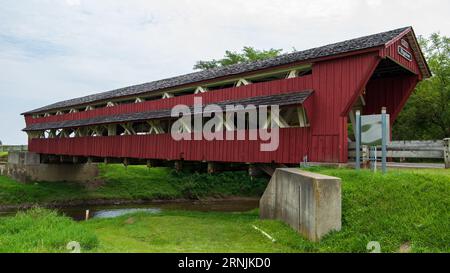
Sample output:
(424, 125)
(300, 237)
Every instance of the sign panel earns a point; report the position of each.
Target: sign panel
(404, 53)
(371, 130)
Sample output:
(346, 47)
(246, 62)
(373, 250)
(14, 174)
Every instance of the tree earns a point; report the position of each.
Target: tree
(427, 112)
(248, 54)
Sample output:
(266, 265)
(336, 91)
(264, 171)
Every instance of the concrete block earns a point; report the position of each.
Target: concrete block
(23, 158)
(14, 157)
(26, 167)
(310, 203)
(31, 158)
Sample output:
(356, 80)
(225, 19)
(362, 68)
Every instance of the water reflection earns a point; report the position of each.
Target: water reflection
(119, 212)
(109, 211)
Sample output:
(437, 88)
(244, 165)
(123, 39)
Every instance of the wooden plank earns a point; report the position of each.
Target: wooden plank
(407, 154)
(433, 144)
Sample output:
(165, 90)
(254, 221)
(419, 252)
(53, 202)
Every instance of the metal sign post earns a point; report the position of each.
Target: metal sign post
(383, 139)
(358, 140)
(373, 158)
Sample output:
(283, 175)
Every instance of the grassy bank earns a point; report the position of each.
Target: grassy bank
(131, 183)
(3, 156)
(405, 209)
(40, 230)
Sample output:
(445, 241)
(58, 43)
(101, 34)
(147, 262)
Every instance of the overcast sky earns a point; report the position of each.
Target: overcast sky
(52, 50)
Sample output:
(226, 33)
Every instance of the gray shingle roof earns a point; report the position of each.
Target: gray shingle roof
(324, 51)
(279, 99)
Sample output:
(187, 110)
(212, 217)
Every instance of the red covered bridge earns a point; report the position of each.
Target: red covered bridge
(318, 91)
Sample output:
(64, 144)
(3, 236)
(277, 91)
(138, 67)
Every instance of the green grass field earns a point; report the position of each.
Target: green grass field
(134, 182)
(405, 208)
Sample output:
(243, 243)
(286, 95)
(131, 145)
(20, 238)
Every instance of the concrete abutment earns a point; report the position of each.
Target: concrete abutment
(310, 203)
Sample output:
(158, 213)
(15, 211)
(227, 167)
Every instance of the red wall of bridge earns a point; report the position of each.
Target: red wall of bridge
(337, 84)
(293, 146)
(392, 93)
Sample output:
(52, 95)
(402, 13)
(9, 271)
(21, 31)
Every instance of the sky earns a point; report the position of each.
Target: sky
(52, 50)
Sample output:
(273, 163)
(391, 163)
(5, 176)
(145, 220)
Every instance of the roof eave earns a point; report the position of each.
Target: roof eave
(313, 60)
(426, 73)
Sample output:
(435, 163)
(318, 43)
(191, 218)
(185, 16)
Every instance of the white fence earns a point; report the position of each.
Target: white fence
(433, 149)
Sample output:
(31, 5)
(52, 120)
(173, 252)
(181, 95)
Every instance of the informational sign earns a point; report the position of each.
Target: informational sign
(404, 53)
(371, 130)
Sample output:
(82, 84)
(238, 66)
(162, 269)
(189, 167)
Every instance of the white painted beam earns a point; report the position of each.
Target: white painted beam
(167, 95)
(292, 74)
(242, 81)
(200, 89)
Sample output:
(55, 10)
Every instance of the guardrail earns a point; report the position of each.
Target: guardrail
(13, 148)
(431, 149)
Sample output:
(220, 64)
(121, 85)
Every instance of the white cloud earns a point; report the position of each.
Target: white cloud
(374, 3)
(73, 2)
(59, 49)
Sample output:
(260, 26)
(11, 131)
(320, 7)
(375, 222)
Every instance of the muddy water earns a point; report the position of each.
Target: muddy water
(111, 211)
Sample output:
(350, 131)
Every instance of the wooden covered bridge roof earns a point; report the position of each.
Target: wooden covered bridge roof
(358, 44)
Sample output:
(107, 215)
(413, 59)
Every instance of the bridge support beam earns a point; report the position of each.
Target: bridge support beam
(211, 167)
(178, 165)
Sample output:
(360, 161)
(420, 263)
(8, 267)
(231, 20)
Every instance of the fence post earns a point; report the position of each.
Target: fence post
(383, 139)
(447, 152)
(358, 140)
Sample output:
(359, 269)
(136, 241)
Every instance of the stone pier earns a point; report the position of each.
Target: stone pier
(27, 167)
(310, 203)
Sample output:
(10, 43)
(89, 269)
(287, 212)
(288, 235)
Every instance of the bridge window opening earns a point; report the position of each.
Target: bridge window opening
(220, 86)
(141, 128)
(294, 116)
(305, 72)
(97, 131)
(119, 130)
(60, 133)
(100, 106)
(268, 78)
(184, 92)
(128, 101)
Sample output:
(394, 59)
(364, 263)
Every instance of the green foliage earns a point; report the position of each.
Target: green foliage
(13, 192)
(402, 207)
(188, 231)
(427, 112)
(134, 182)
(164, 183)
(248, 54)
(40, 230)
(199, 185)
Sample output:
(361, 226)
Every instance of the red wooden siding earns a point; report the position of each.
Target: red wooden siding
(252, 90)
(336, 85)
(292, 148)
(392, 52)
(389, 92)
